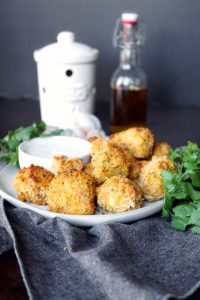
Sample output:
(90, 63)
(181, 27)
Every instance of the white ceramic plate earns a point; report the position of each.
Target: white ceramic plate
(7, 191)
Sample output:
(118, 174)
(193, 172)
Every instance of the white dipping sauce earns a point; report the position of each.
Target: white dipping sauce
(40, 151)
(49, 149)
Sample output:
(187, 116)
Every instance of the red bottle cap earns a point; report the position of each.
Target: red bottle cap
(130, 19)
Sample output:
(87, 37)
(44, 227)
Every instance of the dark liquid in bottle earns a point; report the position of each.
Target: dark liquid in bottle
(128, 108)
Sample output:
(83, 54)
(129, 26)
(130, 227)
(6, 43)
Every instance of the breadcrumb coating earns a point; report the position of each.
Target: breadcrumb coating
(107, 160)
(138, 140)
(72, 192)
(64, 164)
(119, 194)
(135, 168)
(129, 156)
(161, 149)
(32, 183)
(150, 179)
(88, 169)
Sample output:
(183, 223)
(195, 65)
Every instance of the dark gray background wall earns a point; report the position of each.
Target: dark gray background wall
(171, 56)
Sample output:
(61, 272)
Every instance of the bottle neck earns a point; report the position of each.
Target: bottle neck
(129, 58)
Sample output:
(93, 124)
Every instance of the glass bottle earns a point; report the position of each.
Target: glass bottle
(128, 83)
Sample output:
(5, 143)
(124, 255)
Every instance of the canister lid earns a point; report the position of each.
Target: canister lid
(66, 51)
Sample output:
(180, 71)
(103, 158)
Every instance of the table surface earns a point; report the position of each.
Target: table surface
(176, 125)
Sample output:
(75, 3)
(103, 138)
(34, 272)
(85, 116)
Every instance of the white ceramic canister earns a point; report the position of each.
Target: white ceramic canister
(66, 79)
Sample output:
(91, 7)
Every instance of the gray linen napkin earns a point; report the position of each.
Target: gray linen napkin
(144, 260)
(5, 240)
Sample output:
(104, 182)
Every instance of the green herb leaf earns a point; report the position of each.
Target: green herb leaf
(196, 229)
(182, 189)
(179, 223)
(184, 210)
(194, 218)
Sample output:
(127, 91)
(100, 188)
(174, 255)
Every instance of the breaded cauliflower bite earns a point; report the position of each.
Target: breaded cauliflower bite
(129, 156)
(107, 160)
(72, 192)
(150, 179)
(62, 163)
(135, 168)
(119, 194)
(32, 183)
(138, 140)
(161, 149)
(88, 169)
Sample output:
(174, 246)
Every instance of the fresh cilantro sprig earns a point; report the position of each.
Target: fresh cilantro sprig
(9, 144)
(182, 189)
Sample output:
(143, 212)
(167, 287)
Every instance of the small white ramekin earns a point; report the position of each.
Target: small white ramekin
(40, 151)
